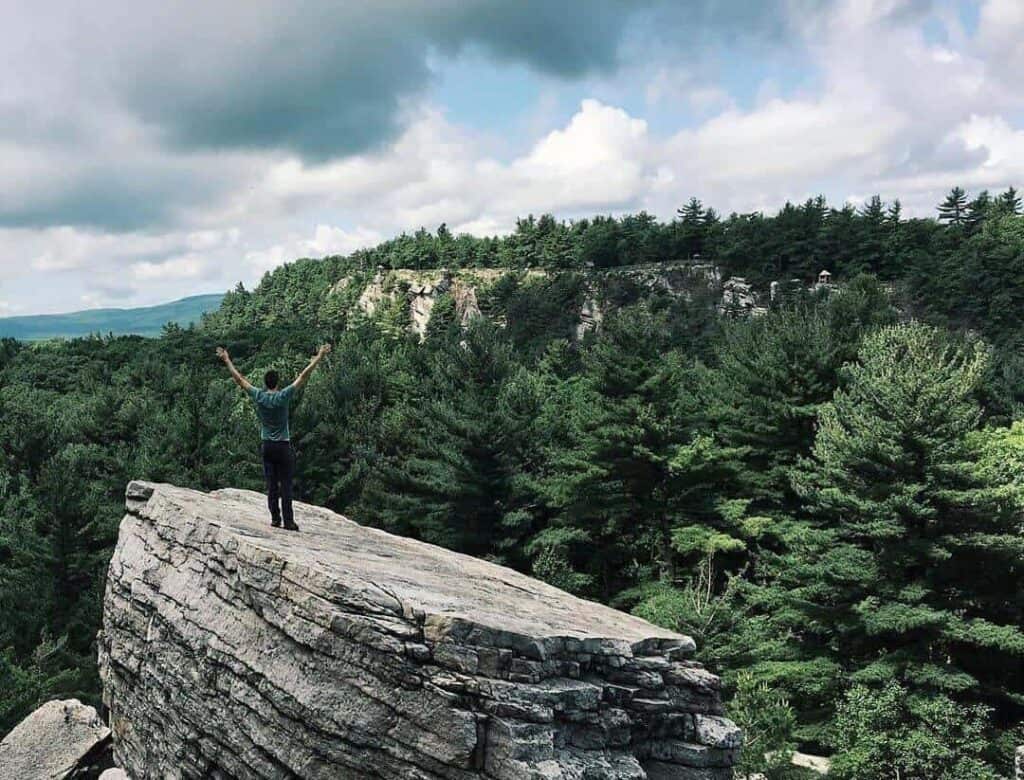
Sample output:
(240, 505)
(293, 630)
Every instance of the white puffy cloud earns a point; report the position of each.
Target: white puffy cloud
(190, 266)
(436, 173)
(326, 240)
(1001, 41)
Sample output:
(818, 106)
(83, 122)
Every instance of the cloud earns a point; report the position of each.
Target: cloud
(795, 138)
(1001, 41)
(126, 116)
(190, 266)
(67, 248)
(121, 180)
(437, 173)
(323, 78)
(330, 240)
(317, 77)
(326, 240)
(678, 85)
(155, 152)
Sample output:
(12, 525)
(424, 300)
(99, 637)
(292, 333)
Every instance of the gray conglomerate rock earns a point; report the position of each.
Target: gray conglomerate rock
(61, 739)
(231, 649)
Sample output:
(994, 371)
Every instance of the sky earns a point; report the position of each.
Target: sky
(152, 151)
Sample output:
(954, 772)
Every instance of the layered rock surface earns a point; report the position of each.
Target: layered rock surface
(61, 739)
(231, 649)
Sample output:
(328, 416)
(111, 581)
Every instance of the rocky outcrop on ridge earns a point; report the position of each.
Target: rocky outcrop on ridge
(417, 291)
(61, 739)
(231, 649)
(739, 298)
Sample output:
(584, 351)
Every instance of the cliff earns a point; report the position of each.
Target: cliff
(415, 292)
(230, 649)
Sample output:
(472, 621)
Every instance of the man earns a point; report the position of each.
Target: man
(278, 459)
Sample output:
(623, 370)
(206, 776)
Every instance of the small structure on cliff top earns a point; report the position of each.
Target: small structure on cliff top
(231, 649)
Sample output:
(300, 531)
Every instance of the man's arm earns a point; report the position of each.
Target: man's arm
(301, 379)
(240, 380)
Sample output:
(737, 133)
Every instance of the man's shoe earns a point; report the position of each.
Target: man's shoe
(275, 523)
(291, 527)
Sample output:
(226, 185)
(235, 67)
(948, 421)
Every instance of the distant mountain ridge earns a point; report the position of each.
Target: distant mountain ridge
(142, 321)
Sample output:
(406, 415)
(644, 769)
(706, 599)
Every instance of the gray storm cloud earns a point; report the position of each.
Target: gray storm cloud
(322, 79)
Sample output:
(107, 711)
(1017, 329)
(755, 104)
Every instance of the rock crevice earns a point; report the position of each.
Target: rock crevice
(230, 649)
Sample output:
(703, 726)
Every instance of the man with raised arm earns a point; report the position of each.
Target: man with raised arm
(272, 408)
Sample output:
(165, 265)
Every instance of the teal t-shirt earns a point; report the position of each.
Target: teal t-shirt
(272, 409)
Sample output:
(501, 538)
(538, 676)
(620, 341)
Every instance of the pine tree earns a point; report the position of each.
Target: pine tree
(916, 541)
(895, 242)
(894, 213)
(455, 473)
(953, 210)
(978, 211)
(839, 241)
(713, 230)
(628, 468)
(774, 373)
(693, 226)
(1008, 203)
(871, 244)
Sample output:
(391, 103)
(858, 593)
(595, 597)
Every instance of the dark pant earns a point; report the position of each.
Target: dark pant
(279, 468)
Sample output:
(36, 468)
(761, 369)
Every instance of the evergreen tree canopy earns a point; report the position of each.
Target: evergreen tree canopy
(910, 528)
(953, 210)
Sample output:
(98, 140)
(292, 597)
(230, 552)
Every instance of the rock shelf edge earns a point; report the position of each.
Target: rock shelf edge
(230, 649)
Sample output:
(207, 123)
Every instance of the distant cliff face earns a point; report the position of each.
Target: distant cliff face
(417, 292)
(230, 649)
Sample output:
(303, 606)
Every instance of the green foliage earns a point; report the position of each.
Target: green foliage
(911, 529)
(774, 373)
(551, 565)
(820, 496)
(953, 209)
(768, 723)
(889, 733)
(46, 674)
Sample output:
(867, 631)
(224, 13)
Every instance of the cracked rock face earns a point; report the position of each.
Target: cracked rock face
(231, 649)
(61, 739)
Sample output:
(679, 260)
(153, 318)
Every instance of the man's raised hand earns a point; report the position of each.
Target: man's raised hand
(223, 354)
(324, 350)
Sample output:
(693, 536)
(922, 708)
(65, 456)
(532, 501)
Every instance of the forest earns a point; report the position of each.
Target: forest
(829, 498)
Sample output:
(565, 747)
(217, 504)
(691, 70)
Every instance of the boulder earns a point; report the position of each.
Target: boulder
(61, 739)
(233, 649)
(738, 297)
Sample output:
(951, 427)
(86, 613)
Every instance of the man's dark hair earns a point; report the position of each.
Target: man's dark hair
(270, 379)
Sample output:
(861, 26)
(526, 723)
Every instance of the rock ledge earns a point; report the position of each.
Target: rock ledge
(61, 739)
(233, 649)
